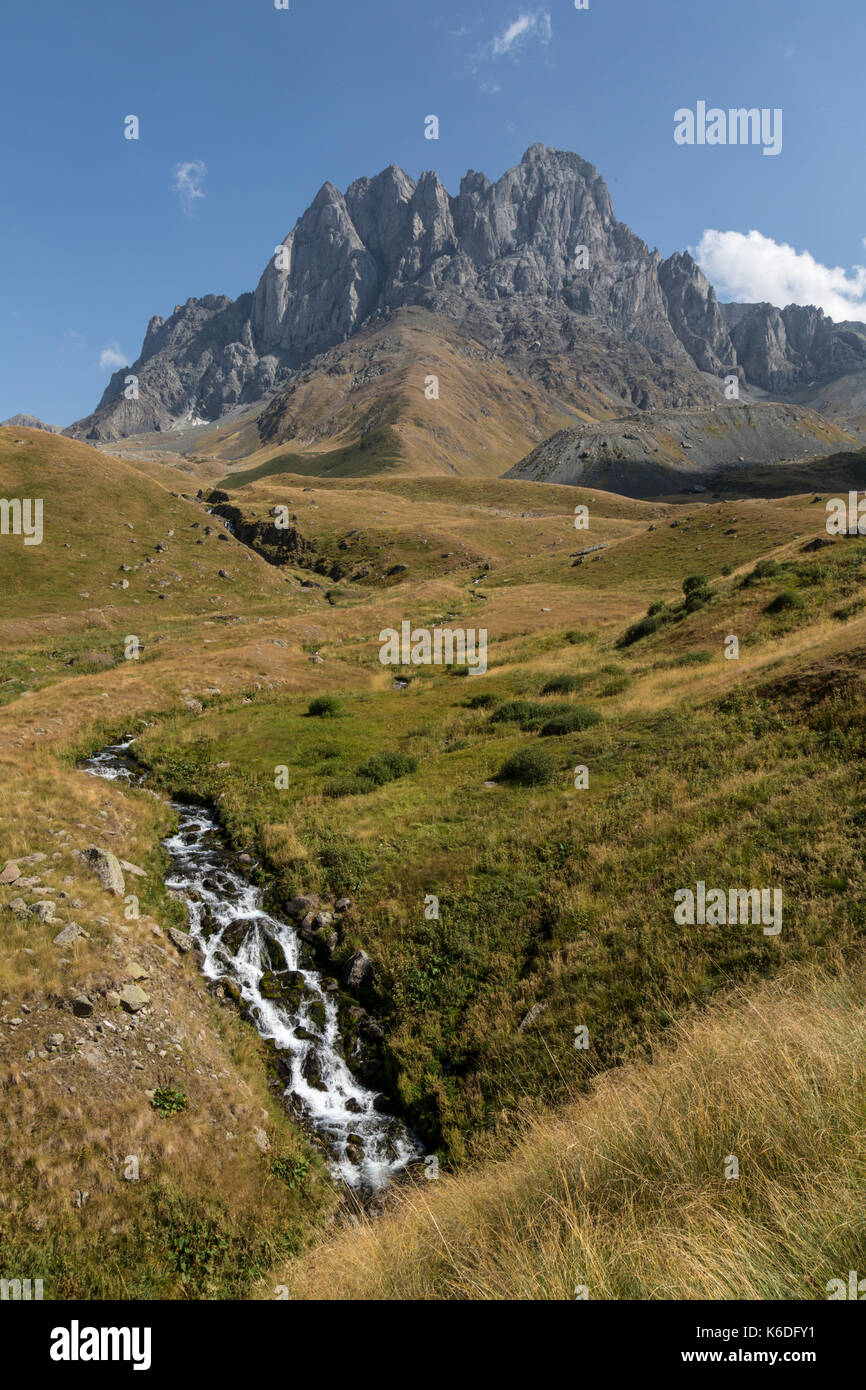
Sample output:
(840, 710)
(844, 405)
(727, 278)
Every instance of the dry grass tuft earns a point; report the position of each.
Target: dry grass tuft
(625, 1192)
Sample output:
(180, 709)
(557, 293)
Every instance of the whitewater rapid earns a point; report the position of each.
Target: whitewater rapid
(366, 1147)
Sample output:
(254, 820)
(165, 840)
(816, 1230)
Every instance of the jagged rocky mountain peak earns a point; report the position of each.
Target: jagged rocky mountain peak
(533, 261)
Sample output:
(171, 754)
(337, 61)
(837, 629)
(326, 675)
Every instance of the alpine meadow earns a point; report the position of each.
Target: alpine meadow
(433, 669)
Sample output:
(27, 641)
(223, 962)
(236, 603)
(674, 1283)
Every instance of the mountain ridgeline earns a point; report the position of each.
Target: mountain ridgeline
(535, 267)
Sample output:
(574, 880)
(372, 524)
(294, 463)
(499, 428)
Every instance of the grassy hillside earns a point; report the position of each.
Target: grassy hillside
(363, 409)
(555, 900)
(627, 1194)
(549, 895)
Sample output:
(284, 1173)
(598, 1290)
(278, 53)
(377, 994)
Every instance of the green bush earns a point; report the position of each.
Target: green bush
(348, 784)
(291, 1171)
(561, 685)
(375, 772)
(573, 720)
(615, 686)
(482, 702)
(168, 1101)
(324, 707)
(527, 714)
(784, 602)
(577, 635)
(319, 753)
(764, 569)
(387, 767)
(529, 767)
(644, 628)
(696, 583)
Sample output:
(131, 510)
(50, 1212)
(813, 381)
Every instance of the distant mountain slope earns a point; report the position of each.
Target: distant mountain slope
(364, 405)
(666, 452)
(29, 422)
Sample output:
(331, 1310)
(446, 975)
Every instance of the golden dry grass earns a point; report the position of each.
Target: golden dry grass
(625, 1192)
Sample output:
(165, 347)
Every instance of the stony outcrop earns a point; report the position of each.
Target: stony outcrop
(106, 867)
(665, 452)
(279, 545)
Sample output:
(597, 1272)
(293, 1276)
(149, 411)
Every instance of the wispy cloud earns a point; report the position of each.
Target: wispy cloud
(754, 268)
(111, 358)
(532, 24)
(189, 183)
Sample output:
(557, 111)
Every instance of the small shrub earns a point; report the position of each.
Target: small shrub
(320, 753)
(848, 610)
(577, 635)
(561, 685)
(168, 1101)
(387, 767)
(324, 707)
(529, 767)
(615, 686)
(764, 569)
(345, 866)
(291, 1171)
(482, 702)
(695, 600)
(573, 720)
(784, 602)
(696, 583)
(527, 714)
(644, 628)
(348, 784)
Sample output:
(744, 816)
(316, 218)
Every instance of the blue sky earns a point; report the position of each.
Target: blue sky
(97, 235)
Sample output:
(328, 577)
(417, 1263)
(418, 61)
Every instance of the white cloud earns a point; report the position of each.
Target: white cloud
(111, 357)
(189, 183)
(533, 24)
(756, 268)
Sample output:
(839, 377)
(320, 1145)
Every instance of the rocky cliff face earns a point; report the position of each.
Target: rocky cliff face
(696, 316)
(536, 259)
(781, 349)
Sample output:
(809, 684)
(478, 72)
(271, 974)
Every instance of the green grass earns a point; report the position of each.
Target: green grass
(546, 892)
